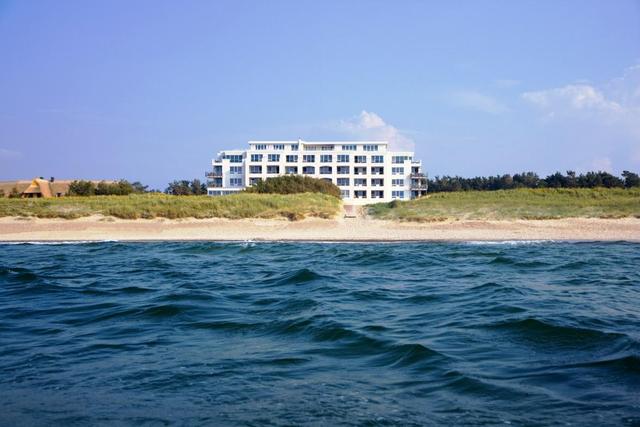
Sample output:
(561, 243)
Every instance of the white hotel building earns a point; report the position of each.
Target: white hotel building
(366, 172)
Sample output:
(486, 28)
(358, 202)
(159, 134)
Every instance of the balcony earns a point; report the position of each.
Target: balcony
(213, 174)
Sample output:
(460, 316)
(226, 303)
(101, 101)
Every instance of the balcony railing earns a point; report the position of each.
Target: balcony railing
(213, 174)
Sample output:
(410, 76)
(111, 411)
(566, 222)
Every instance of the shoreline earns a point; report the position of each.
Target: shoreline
(100, 229)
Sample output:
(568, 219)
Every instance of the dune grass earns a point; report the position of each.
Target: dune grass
(514, 204)
(237, 206)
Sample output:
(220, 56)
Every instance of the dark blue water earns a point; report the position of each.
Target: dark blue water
(321, 334)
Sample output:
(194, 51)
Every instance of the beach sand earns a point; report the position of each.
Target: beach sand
(98, 228)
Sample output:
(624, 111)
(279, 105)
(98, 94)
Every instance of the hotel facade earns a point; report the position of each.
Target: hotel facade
(365, 172)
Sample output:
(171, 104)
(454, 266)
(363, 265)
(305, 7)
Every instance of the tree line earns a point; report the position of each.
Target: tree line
(104, 188)
(532, 180)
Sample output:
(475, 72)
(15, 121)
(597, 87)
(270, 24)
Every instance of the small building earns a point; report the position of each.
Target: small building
(35, 188)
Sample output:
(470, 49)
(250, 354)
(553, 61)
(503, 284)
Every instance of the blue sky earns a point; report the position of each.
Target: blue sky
(151, 90)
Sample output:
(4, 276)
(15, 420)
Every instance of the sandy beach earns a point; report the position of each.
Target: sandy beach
(98, 228)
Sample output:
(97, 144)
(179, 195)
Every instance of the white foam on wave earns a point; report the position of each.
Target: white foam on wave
(508, 242)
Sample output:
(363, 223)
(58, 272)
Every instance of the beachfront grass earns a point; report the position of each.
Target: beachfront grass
(514, 204)
(236, 206)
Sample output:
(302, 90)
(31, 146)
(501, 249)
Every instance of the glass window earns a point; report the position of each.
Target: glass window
(273, 169)
(397, 182)
(326, 158)
(343, 170)
(292, 158)
(253, 181)
(360, 182)
(235, 170)
(397, 194)
(360, 159)
(377, 159)
(294, 147)
(233, 158)
(274, 157)
(308, 170)
(344, 193)
(370, 148)
(348, 148)
(261, 146)
(325, 170)
(343, 182)
(278, 146)
(309, 158)
(343, 158)
(235, 182)
(256, 157)
(397, 171)
(400, 159)
(291, 169)
(255, 169)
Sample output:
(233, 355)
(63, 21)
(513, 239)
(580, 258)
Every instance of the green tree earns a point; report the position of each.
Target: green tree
(291, 184)
(631, 179)
(82, 188)
(179, 188)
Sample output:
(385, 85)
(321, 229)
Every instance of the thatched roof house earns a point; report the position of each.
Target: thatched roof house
(36, 187)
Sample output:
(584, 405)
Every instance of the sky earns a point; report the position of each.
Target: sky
(151, 90)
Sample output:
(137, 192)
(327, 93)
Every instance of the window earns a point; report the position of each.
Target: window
(343, 158)
(377, 171)
(294, 147)
(309, 158)
(397, 194)
(292, 158)
(261, 146)
(235, 182)
(344, 194)
(360, 182)
(308, 170)
(377, 182)
(397, 182)
(360, 194)
(343, 182)
(291, 169)
(376, 194)
(273, 169)
(255, 169)
(278, 146)
(274, 157)
(256, 157)
(233, 158)
(235, 170)
(377, 159)
(325, 170)
(343, 170)
(360, 170)
(360, 159)
(370, 148)
(326, 158)
(397, 171)
(348, 148)
(253, 181)
(400, 159)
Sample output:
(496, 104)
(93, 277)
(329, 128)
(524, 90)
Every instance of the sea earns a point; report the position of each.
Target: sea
(273, 334)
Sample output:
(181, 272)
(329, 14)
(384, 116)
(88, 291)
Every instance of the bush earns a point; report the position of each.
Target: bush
(292, 184)
(82, 188)
(120, 188)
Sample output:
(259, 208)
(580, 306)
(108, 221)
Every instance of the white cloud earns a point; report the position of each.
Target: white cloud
(474, 100)
(602, 164)
(370, 126)
(615, 103)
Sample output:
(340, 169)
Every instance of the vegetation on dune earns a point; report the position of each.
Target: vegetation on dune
(237, 206)
(532, 180)
(103, 188)
(292, 184)
(514, 204)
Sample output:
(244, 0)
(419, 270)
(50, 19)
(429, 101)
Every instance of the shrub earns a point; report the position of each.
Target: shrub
(120, 188)
(82, 188)
(292, 184)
